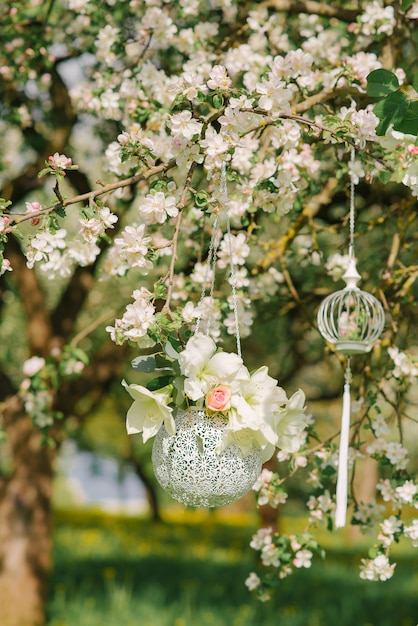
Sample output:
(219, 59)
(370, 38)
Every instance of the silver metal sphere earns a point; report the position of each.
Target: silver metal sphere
(188, 467)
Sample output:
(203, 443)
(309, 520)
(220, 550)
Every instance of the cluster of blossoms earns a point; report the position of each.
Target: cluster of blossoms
(269, 489)
(137, 319)
(48, 247)
(378, 568)
(405, 364)
(282, 552)
(393, 451)
(401, 153)
(257, 410)
(42, 378)
(377, 19)
(398, 493)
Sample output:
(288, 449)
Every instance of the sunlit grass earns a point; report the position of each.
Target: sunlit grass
(121, 571)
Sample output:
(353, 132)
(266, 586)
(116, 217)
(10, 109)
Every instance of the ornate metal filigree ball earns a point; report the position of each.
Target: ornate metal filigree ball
(190, 469)
(351, 319)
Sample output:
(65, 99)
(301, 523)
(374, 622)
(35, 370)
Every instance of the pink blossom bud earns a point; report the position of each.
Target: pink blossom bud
(123, 138)
(33, 206)
(219, 398)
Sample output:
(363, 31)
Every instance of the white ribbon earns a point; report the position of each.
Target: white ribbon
(342, 480)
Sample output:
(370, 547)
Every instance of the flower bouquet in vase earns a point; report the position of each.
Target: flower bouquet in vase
(214, 422)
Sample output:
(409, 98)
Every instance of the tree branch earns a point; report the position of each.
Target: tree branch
(95, 193)
(181, 206)
(312, 8)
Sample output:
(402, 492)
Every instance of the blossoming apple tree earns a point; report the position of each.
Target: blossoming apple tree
(117, 118)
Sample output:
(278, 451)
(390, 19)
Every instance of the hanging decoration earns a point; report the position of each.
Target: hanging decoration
(352, 320)
(214, 422)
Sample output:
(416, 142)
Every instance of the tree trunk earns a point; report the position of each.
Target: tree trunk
(25, 523)
(150, 491)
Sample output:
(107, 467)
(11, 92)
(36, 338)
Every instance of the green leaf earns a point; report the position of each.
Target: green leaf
(144, 363)
(201, 198)
(162, 363)
(170, 351)
(381, 83)
(158, 383)
(79, 354)
(160, 290)
(414, 84)
(405, 4)
(217, 100)
(409, 124)
(88, 212)
(158, 185)
(46, 170)
(391, 110)
(61, 211)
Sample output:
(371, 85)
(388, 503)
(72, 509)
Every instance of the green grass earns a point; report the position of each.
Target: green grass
(112, 571)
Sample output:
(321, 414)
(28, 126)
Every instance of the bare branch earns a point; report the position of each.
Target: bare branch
(312, 8)
(95, 193)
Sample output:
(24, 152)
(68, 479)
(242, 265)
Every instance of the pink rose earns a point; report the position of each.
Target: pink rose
(219, 398)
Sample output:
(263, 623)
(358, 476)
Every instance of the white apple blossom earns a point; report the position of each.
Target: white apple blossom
(406, 491)
(263, 480)
(270, 555)
(183, 124)
(84, 252)
(235, 246)
(214, 143)
(319, 506)
(412, 532)
(378, 568)
(77, 5)
(33, 365)
(406, 366)
(202, 274)
(391, 526)
(365, 122)
(368, 514)
(161, 26)
(362, 63)
(245, 316)
(132, 247)
(157, 207)
(380, 426)
(58, 264)
(386, 490)
(253, 581)
(136, 320)
(275, 94)
(4, 224)
(44, 243)
(395, 452)
(303, 558)
(219, 78)
(5, 266)
(377, 19)
(261, 538)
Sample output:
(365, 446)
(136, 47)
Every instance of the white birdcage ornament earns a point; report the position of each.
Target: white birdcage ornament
(351, 320)
(188, 464)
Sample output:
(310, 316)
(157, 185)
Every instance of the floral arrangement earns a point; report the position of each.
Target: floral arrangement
(256, 409)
